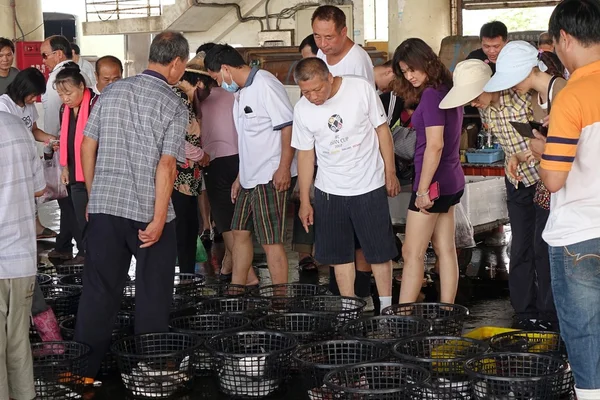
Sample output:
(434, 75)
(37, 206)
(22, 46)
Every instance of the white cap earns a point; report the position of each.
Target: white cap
(470, 76)
(514, 64)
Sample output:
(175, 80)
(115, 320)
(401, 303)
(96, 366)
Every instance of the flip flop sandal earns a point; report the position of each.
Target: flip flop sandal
(226, 277)
(308, 264)
(47, 233)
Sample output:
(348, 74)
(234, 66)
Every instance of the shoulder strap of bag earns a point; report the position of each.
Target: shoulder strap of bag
(391, 106)
(550, 87)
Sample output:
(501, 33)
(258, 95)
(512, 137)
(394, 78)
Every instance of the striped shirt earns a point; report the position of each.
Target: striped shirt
(135, 121)
(517, 108)
(573, 146)
(21, 177)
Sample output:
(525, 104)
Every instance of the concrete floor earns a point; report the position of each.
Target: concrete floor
(482, 289)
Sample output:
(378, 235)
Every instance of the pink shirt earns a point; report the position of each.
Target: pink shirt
(219, 136)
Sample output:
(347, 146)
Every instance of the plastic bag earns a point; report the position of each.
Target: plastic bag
(55, 189)
(463, 232)
(201, 255)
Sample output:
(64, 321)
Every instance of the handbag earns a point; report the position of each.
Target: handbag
(405, 138)
(542, 195)
(55, 189)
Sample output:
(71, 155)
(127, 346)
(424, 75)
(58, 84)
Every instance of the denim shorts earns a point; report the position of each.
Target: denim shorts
(575, 273)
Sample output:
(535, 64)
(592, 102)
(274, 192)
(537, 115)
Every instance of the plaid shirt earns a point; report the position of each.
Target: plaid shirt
(517, 108)
(135, 122)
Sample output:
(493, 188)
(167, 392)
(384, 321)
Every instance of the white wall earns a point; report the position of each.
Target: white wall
(90, 45)
(246, 34)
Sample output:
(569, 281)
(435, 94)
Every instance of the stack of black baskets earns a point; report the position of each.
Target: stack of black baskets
(257, 343)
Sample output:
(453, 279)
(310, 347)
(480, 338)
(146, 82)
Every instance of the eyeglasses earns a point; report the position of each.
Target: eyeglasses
(46, 55)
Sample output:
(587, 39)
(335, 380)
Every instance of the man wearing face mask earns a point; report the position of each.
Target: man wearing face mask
(263, 117)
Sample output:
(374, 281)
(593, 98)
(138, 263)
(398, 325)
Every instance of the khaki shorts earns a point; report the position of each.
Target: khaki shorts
(16, 365)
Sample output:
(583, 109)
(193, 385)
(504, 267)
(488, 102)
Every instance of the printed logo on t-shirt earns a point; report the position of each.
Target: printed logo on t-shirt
(27, 120)
(335, 123)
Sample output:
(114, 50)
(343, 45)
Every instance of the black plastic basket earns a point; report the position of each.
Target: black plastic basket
(386, 329)
(59, 369)
(344, 308)
(157, 364)
(377, 381)
(188, 285)
(123, 328)
(444, 358)
(446, 319)
(315, 360)
(250, 307)
(64, 300)
(516, 375)
(306, 327)
(223, 289)
(43, 279)
(207, 326)
(71, 280)
(548, 343)
(62, 270)
(252, 364)
(291, 290)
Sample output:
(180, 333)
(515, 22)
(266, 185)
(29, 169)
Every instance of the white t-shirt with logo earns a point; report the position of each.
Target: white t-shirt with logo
(342, 131)
(261, 110)
(356, 62)
(28, 114)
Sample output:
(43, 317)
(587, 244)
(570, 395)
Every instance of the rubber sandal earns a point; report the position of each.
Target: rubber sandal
(308, 264)
(225, 277)
(47, 233)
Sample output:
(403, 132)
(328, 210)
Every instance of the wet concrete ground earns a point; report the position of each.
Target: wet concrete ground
(482, 288)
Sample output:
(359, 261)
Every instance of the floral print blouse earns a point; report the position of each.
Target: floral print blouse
(189, 176)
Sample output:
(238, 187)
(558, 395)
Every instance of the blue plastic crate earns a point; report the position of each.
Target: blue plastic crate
(485, 156)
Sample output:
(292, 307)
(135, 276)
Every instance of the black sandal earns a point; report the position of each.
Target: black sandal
(308, 264)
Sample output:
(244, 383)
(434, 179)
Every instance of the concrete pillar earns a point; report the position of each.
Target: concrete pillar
(425, 19)
(30, 16)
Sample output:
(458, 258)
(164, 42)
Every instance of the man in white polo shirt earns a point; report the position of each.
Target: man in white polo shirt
(263, 116)
(340, 53)
(343, 120)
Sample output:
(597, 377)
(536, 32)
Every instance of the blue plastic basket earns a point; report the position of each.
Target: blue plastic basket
(485, 156)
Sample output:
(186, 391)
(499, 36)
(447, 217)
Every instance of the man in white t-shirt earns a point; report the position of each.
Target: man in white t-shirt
(22, 177)
(343, 121)
(263, 115)
(340, 53)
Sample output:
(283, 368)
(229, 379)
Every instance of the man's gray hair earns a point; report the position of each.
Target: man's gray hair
(167, 46)
(309, 68)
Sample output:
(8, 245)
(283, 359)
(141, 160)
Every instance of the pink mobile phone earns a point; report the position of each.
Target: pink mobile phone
(434, 191)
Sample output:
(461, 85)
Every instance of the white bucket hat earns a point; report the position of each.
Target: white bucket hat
(470, 76)
(515, 62)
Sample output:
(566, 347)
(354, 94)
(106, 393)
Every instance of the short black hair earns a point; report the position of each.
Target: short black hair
(108, 60)
(223, 54)
(545, 38)
(309, 68)
(70, 74)
(205, 47)
(492, 30)
(61, 43)
(4, 42)
(28, 82)
(76, 49)
(578, 18)
(309, 41)
(168, 46)
(330, 13)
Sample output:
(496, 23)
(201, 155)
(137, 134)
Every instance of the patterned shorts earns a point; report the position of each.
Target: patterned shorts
(262, 210)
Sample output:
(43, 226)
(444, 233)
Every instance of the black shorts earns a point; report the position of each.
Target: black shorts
(441, 205)
(338, 220)
(219, 177)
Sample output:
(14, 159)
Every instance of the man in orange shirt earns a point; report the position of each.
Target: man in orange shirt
(569, 169)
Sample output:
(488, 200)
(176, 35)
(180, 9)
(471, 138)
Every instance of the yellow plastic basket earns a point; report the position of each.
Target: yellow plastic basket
(486, 332)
